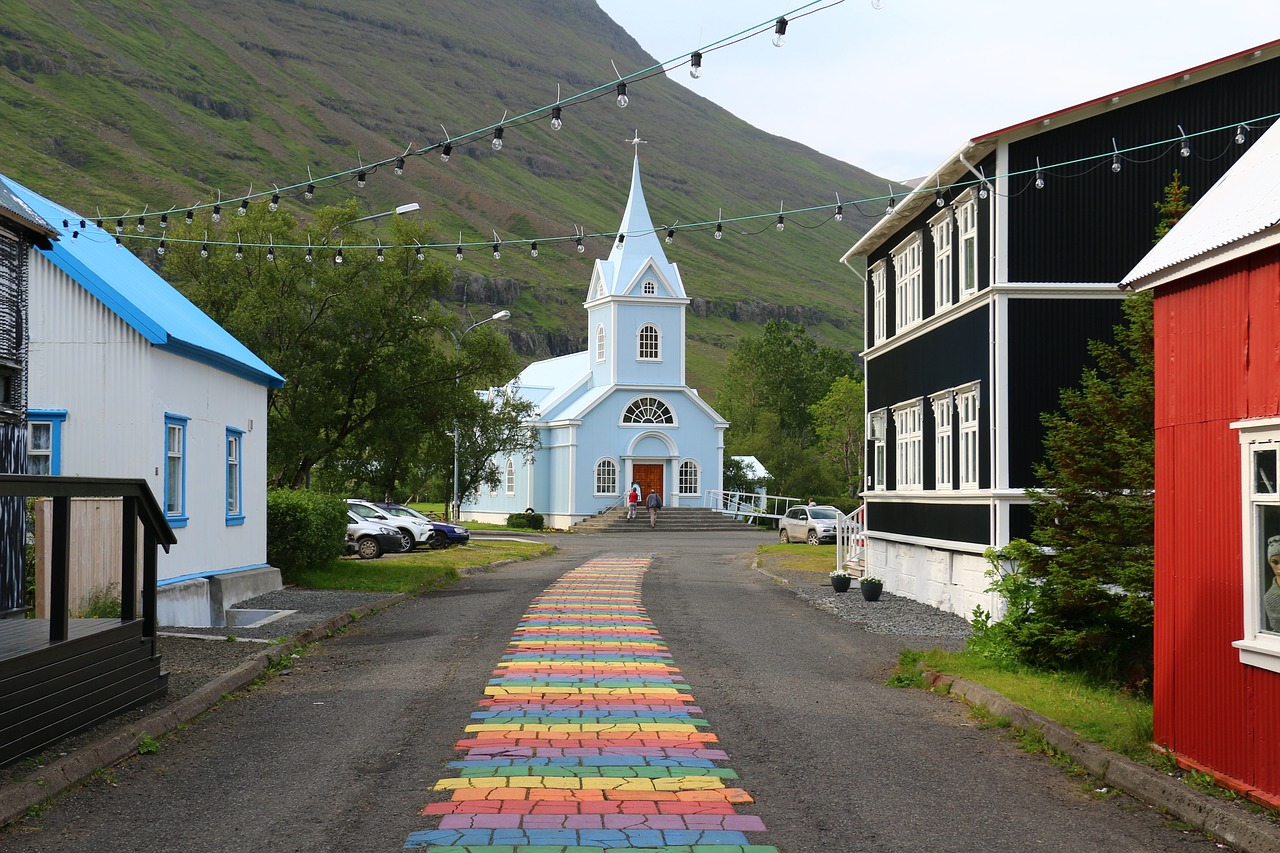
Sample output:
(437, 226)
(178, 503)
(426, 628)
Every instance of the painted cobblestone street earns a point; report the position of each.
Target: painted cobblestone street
(589, 739)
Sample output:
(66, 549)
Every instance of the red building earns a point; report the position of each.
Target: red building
(1216, 279)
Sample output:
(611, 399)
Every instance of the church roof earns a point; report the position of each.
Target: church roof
(546, 382)
(640, 247)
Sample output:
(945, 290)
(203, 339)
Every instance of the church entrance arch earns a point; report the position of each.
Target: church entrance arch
(649, 476)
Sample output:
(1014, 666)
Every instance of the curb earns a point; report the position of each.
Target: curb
(1243, 831)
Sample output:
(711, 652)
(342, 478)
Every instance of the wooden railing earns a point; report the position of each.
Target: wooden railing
(138, 509)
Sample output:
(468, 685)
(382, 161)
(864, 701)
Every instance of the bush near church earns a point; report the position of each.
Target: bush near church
(304, 529)
(525, 520)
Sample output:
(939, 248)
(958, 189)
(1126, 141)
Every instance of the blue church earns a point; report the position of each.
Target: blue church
(620, 414)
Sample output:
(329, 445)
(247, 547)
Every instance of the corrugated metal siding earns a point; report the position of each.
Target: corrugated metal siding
(1209, 706)
(1090, 224)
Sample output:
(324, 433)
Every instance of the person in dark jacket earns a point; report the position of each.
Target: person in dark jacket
(654, 503)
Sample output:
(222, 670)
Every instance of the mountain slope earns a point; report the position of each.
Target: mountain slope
(116, 104)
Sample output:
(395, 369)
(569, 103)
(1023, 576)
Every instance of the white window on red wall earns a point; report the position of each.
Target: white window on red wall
(1260, 474)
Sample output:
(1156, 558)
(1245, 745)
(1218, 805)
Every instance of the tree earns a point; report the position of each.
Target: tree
(1173, 206)
(498, 427)
(840, 428)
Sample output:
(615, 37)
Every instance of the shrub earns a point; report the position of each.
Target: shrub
(304, 529)
(526, 520)
(100, 603)
(535, 520)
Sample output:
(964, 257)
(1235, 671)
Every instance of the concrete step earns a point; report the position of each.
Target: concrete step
(670, 519)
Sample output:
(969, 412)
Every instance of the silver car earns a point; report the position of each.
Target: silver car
(813, 524)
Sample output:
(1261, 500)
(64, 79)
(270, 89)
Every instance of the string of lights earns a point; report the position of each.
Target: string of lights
(495, 133)
(1036, 179)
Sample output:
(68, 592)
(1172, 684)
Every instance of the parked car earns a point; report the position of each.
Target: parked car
(813, 524)
(413, 531)
(447, 533)
(369, 538)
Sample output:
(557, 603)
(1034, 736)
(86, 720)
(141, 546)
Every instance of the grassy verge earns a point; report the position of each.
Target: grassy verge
(415, 570)
(438, 510)
(798, 557)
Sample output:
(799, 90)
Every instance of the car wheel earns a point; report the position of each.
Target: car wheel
(782, 535)
(368, 548)
(406, 540)
(813, 537)
(438, 541)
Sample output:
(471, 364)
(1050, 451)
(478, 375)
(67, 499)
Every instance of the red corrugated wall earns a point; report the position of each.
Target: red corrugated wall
(1217, 361)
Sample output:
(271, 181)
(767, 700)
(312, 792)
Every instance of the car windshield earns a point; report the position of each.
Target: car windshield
(823, 512)
(406, 512)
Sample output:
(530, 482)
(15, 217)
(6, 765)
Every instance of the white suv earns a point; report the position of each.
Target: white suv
(412, 531)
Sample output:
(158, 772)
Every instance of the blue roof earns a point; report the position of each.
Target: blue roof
(138, 295)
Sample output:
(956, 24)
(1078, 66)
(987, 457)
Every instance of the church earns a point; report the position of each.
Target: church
(619, 414)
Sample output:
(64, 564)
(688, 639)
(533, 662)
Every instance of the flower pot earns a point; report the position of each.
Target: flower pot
(841, 584)
(871, 590)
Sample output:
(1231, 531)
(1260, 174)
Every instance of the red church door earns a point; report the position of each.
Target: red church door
(649, 477)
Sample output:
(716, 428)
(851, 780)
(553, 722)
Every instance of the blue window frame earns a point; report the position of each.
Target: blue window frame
(44, 440)
(235, 476)
(175, 469)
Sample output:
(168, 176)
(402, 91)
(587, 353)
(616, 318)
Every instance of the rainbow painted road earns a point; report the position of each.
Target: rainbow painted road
(589, 739)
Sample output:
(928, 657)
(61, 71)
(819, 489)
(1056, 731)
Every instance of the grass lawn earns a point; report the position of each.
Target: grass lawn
(417, 570)
(798, 557)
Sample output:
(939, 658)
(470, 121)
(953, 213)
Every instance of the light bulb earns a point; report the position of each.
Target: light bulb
(1240, 135)
(275, 202)
(780, 32)
(119, 226)
(719, 231)
(497, 252)
(938, 200)
(337, 259)
(160, 248)
(839, 213)
(399, 170)
(671, 234)
(422, 256)
(119, 245)
(890, 208)
(243, 208)
(142, 225)
(189, 218)
(164, 220)
(310, 192)
(695, 64)
(984, 190)
(782, 223)
(581, 248)
(1185, 151)
(271, 255)
(556, 122)
(1115, 163)
(307, 257)
(1039, 181)
(497, 138)
(622, 238)
(239, 252)
(458, 255)
(533, 249)
(445, 152)
(360, 179)
(623, 100)
(204, 250)
(380, 258)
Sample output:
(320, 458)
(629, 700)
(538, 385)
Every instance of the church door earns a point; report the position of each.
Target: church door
(649, 477)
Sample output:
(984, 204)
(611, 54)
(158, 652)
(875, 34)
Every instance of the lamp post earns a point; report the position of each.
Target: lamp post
(457, 383)
(410, 207)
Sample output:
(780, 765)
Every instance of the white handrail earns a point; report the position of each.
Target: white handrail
(851, 541)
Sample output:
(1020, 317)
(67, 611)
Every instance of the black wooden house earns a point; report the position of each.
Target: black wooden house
(983, 288)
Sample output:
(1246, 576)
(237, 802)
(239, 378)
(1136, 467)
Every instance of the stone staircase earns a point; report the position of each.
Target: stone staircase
(684, 519)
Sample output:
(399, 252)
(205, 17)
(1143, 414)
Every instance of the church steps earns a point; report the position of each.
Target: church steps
(670, 520)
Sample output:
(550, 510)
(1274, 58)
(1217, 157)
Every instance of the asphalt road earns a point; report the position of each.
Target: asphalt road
(340, 753)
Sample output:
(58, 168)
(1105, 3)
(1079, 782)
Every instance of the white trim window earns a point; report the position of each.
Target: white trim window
(908, 272)
(649, 287)
(600, 343)
(511, 478)
(879, 313)
(968, 402)
(689, 479)
(649, 341)
(175, 469)
(44, 440)
(648, 410)
(1260, 484)
(606, 477)
(876, 429)
(967, 226)
(942, 228)
(908, 425)
(235, 477)
(943, 410)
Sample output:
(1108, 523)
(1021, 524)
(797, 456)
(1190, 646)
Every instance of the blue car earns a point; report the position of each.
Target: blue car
(446, 533)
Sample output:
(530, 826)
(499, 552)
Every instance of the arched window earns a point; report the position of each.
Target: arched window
(649, 342)
(650, 287)
(606, 477)
(689, 477)
(511, 477)
(648, 410)
(600, 343)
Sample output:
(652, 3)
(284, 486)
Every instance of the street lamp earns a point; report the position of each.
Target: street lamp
(400, 209)
(457, 383)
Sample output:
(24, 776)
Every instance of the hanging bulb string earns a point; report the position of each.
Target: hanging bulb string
(362, 171)
(1053, 170)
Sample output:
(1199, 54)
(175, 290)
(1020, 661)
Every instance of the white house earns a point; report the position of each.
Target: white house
(127, 378)
(619, 413)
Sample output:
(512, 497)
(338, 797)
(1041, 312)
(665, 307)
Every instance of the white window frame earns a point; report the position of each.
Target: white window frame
(908, 425)
(645, 343)
(966, 208)
(175, 469)
(968, 411)
(235, 476)
(877, 427)
(943, 439)
(600, 343)
(879, 313)
(648, 410)
(689, 483)
(510, 478)
(606, 477)
(51, 420)
(1259, 440)
(649, 287)
(942, 228)
(908, 272)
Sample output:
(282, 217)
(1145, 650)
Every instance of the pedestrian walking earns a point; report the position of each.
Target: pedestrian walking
(633, 500)
(654, 503)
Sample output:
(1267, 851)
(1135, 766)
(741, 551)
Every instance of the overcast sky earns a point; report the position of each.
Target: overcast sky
(896, 90)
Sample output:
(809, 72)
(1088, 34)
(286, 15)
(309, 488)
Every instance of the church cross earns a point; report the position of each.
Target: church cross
(637, 142)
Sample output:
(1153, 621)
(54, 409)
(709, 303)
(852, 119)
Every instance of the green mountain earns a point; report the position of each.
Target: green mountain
(119, 105)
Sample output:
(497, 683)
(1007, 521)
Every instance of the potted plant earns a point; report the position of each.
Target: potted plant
(841, 578)
(871, 588)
